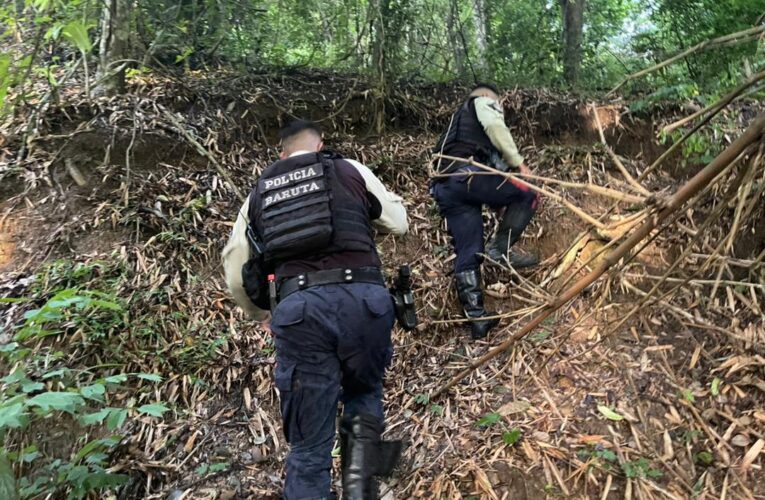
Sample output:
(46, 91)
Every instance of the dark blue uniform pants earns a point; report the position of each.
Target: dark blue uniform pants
(460, 199)
(333, 342)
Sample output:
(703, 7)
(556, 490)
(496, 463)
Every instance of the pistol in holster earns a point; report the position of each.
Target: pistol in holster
(403, 299)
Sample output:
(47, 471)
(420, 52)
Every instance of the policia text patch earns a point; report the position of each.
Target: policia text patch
(293, 192)
(293, 177)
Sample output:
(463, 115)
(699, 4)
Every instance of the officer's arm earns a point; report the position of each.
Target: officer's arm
(493, 121)
(235, 254)
(392, 217)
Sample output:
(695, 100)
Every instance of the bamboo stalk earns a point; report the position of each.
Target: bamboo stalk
(707, 44)
(732, 95)
(625, 173)
(576, 210)
(686, 192)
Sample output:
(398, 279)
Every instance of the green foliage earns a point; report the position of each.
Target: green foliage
(489, 419)
(609, 413)
(205, 469)
(715, 387)
(704, 458)
(422, 399)
(598, 457)
(512, 436)
(42, 393)
(77, 33)
(509, 42)
(640, 468)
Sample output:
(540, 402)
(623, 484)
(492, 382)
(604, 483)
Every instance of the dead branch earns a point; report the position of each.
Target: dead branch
(714, 216)
(733, 95)
(625, 173)
(738, 37)
(204, 152)
(695, 184)
(714, 112)
(493, 171)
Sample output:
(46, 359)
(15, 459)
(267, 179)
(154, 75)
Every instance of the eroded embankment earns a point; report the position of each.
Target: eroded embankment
(137, 213)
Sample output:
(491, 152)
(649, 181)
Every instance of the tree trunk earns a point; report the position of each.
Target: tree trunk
(480, 21)
(113, 49)
(379, 62)
(572, 12)
(452, 29)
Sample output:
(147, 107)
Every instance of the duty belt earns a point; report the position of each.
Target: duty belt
(371, 275)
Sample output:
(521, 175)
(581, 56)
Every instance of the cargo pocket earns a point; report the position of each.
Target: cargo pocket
(283, 375)
(379, 305)
(289, 312)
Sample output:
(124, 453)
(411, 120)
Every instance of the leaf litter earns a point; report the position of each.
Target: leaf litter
(667, 404)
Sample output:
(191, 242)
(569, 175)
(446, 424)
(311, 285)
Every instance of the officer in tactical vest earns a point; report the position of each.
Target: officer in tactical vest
(477, 130)
(303, 247)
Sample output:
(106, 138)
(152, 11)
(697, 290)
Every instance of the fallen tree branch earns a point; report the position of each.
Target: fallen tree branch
(738, 37)
(204, 152)
(734, 94)
(716, 109)
(493, 171)
(674, 203)
(625, 173)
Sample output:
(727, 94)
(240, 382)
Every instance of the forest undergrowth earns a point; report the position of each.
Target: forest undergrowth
(130, 371)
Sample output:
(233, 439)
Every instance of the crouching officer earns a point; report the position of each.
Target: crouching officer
(477, 129)
(305, 235)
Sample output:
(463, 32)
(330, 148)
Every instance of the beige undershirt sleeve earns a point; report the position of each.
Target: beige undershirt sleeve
(235, 254)
(493, 121)
(393, 218)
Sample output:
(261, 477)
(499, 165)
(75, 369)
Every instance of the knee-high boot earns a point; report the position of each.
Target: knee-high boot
(471, 297)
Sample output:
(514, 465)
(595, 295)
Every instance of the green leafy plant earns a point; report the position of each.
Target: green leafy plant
(511, 437)
(609, 413)
(40, 391)
(715, 387)
(205, 469)
(422, 399)
(489, 419)
(704, 458)
(640, 468)
(598, 457)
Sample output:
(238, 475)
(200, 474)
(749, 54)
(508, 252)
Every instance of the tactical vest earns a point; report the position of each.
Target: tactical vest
(301, 209)
(465, 137)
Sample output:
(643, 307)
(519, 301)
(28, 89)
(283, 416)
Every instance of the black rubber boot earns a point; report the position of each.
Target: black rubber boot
(364, 455)
(360, 457)
(471, 297)
(508, 233)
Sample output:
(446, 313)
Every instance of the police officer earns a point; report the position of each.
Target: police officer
(309, 222)
(477, 130)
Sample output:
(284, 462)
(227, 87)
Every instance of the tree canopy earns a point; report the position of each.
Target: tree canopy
(587, 45)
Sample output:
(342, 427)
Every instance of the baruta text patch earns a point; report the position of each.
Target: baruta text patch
(293, 192)
(293, 177)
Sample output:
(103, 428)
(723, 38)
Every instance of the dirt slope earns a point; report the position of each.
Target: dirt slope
(530, 424)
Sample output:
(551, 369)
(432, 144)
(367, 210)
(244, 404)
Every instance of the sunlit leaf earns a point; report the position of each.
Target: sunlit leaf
(61, 401)
(609, 413)
(155, 410)
(77, 33)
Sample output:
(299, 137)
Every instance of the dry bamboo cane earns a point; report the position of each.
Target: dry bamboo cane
(682, 195)
(738, 37)
(715, 110)
(204, 152)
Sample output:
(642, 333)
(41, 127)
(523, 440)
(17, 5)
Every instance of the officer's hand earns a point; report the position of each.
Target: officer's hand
(266, 326)
(524, 169)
